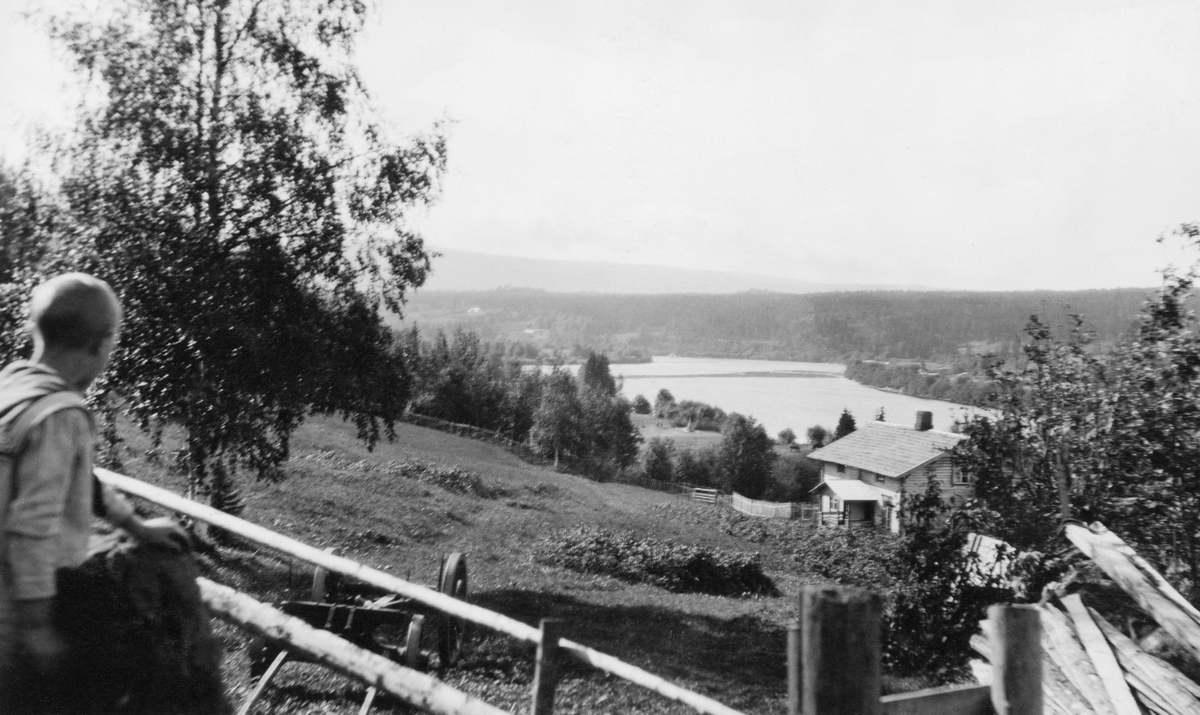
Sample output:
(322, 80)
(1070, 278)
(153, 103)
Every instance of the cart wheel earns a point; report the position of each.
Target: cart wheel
(451, 630)
(412, 644)
(260, 653)
(323, 582)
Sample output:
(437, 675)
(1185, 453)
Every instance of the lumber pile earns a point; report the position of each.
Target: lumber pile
(1089, 665)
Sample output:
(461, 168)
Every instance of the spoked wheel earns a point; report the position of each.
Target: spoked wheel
(412, 644)
(260, 653)
(452, 630)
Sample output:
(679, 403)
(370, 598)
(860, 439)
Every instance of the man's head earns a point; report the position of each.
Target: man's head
(75, 315)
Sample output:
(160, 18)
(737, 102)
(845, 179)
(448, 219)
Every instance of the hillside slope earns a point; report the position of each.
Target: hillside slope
(338, 494)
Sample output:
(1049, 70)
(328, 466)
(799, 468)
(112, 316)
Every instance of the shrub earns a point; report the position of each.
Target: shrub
(658, 460)
(863, 558)
(675, 567)
(452, 479)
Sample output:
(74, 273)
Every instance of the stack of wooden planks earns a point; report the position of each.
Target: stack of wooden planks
(1089, 666)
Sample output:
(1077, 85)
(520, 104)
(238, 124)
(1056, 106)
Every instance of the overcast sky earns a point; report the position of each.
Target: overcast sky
(983, 145)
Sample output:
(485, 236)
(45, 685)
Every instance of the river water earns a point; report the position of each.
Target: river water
(778, 394)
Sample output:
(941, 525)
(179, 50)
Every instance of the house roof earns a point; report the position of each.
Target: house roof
(887, 449)
(854, 490)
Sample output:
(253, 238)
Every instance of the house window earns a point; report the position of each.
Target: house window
(958, 478)
(879, 477)
(860, 474)
(841, 468)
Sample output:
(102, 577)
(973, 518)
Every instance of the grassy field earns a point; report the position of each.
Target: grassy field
(338, 494)
(654, 427)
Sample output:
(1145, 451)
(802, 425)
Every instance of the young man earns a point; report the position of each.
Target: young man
(46, 510)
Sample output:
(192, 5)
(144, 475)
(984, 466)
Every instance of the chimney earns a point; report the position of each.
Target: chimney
(924, 421)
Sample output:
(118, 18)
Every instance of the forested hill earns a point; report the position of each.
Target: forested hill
(820, 326)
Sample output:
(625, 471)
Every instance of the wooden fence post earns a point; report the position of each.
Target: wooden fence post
(793, 668)
(545, 675)
(1016, 638)
(840, 651)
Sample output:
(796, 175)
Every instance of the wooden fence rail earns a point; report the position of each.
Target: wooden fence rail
(445, 604)
(413, 687)
(834, 651)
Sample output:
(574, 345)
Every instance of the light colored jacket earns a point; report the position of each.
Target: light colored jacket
(49, 516)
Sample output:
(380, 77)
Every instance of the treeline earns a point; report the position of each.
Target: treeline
(580, 422)
(945, 326)
(967, 387)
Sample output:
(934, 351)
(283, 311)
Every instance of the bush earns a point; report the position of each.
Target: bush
(675, 567)
(863, 558)
(452, 479)
(697, 416)
(641, 405)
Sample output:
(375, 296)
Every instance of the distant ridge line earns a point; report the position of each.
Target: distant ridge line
(455, 270)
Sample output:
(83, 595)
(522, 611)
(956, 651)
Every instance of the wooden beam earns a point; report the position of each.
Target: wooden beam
(1152, 678)
(793, 668)
(417, 689)
(952, 700)
(1068, 653)
(1016, 645)
(1142, 582)
(1101, 656)
(840, 651)
(445, 604)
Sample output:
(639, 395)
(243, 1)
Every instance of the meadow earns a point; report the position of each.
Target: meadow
(492, 506)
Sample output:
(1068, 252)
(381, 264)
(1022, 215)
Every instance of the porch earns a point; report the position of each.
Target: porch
(853, 504)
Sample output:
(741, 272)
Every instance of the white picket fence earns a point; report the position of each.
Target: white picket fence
(774, 510)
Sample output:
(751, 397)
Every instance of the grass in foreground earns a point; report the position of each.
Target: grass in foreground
(460, 495)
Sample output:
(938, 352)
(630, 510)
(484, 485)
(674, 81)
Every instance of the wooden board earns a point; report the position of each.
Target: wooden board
(1101, 656)
(953, 700)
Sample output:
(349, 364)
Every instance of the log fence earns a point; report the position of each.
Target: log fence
(833, 650)
(834, 662)
(446, 604)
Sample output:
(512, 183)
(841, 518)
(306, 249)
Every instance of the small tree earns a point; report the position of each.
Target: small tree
(787, 436)
(700, 466)
(817, 436)
(641, 405)
(658, 461)
(664, 403)
(746, 456)
(879, 416)
(559, 416)
(595, 375)
(845, 425)
(229, 179)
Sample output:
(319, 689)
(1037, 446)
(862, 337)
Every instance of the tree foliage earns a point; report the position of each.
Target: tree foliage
(658, 460)
(585, 422)
(664, 403)
(595, 374)
(817, 435)
(845, 425)
(228, 179)
(641, 405)
(1092, 436)
(746, 456)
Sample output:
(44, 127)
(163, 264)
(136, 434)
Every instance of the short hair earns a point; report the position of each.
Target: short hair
(74, 311)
